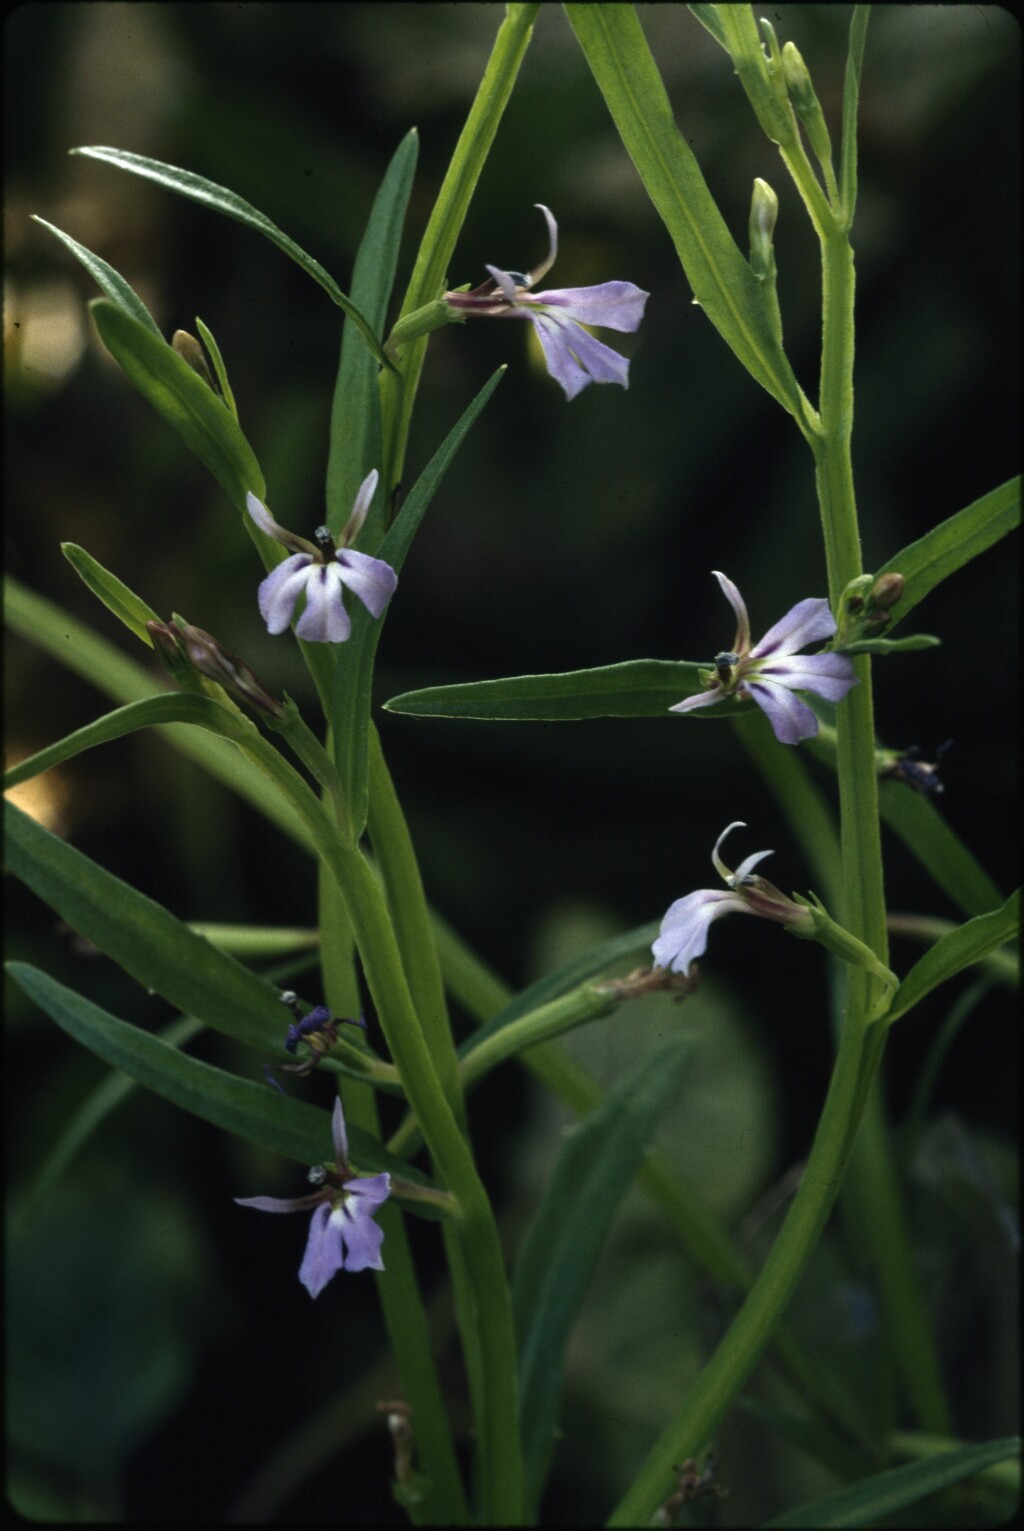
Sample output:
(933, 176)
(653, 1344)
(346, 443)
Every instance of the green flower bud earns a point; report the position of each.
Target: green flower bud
(805, 102)
(764, 212)
(192, 353)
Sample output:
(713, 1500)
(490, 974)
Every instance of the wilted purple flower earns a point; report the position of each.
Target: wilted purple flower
(684, 930)
(574, 358)
(342, 1233)
(320, 572)
(771, 671)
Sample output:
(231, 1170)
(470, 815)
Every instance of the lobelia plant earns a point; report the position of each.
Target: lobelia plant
(481, 1445)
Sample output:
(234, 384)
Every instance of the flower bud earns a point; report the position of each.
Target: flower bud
(207, 656)
(885, 592)
(191, 352)
(764, 212)
(804, 101)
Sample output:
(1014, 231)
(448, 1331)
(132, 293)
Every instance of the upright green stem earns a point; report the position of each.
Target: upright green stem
(398, 388)
(486, 1318)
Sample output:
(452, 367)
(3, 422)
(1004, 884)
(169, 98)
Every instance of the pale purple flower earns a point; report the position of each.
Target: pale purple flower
(574, 358)
(320, 572)
(771, 671)
(684, 930)
(342, 1232)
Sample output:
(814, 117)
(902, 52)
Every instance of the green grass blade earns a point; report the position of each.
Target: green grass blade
(864, 1503)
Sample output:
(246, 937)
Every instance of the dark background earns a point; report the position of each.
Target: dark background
(566, 535)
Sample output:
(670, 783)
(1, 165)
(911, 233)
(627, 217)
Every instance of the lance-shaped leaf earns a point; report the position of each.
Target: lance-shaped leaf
(968, 944)
(595, 1168)
(198, 189)
(355, 413)
(951, 544)
(203, 421)
(156, 949)
(73, 644)
(248, 1110)
(107, 279)
(866, 1503)
(353, 676)
(723, 283)
(128, 607)
(636, 688)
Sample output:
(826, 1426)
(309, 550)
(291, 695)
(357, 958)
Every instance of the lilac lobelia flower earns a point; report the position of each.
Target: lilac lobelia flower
(574, 358)
(684, 930)
(320, 573)
(342, 1232)
(771, 671)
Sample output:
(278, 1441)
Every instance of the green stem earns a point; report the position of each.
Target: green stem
(487, 1333)
(403, 887)
(710, 1395)
(429, 278)
(442, 1498)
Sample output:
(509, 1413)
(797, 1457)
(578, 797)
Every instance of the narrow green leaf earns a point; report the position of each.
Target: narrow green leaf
(913, 645)
(723, 283)
(866, 1502)
(115, 595)
(249, 1110)
(595, 1168)
(177, 393)
(353, 676)
(82, 651)
(938, 847)
(107, 279)
(170, 707)
(206, 335)
(953, 543)
(208, 194)
(636, 688)
(968, 944)
(707, 15)
(156, 949)
(356, 444)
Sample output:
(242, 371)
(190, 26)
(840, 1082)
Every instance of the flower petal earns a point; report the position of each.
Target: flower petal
(702, 699)
(614, 305)
(339, 1134)
(719, 865)
(360, 1235)
(325, 619)
(545, 266)
(261, 515)
(741, 643)
(363, 501)
(510, 289)
(279, 1203)
(791, 719)
(827, 675)
(281, 589)
(684, 930)
(575, 358)
(325, 1255)
(746, 866)
(806, 622)
(371, 579)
